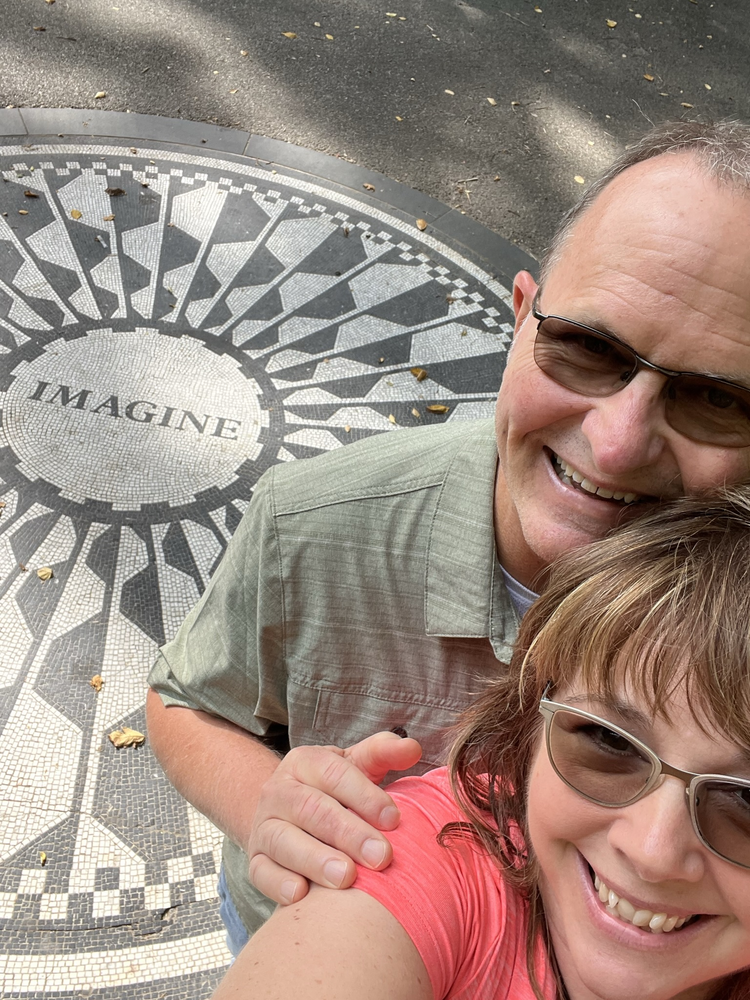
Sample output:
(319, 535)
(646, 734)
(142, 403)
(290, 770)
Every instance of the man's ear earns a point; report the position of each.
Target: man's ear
(524, 290)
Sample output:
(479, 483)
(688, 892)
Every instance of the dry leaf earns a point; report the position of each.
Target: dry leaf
(438, 408)
(707, 86)
(108, 218)
(30, 194)
(647, 76)
(40, 29)
(496, 177)
(49, 1)
(2, 504)
(42, 858)
(133, 150)
(289, 34)
(421, 225)
(390, 15)
(126, 737)
(399, 118)
(450, 92)
(415, 413)
(75, 214)
(391, 418)
(492, 101)
(233, 91)
(611, 24)
(99, 94)
(329, 37)
(44, 573)
(22, 568)
(96, 682)
(22, 211)
(684, 104)
(514, 104)
(114, 192)
(579, 180)
(369, 187)
(420, 374)
(538, 10)
(316, 24)
(243, 52)
(347, 428)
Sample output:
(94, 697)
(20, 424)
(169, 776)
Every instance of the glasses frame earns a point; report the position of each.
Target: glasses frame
(639, 363)
(660, 768)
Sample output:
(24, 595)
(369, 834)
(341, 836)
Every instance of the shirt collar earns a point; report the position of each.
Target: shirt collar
(465, 594)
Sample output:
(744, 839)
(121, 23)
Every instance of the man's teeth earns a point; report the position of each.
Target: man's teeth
(590, 487)
(618, 906)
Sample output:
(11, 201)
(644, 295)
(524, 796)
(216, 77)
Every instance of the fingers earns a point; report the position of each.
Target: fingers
(279, 884)
(383, 752)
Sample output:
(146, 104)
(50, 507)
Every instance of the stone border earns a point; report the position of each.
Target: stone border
(478, 243)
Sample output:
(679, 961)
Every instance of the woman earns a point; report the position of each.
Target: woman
(602, 844)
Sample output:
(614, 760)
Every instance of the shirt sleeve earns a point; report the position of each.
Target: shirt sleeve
(227, 657)
(452, 900)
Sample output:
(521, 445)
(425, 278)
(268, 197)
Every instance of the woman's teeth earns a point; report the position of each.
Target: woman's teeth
(618, 906)
(586, 484)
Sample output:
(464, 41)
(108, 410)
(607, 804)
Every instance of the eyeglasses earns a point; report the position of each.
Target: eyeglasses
(702, 407)
(608, 766)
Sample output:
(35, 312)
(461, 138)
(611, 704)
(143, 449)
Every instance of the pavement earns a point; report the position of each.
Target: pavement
(401, 89)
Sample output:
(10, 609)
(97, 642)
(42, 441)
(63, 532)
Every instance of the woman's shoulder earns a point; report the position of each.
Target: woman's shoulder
(468, 924)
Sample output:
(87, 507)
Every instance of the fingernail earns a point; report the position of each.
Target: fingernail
(373, 851)
(389, 818)
(288, 891)
(335, 872)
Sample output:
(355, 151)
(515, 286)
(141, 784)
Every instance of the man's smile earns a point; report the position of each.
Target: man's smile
(570, 476)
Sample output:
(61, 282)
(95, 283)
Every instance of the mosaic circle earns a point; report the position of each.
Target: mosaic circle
(171, 325)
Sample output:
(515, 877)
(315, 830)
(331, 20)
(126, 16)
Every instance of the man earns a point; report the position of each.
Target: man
(379, 586)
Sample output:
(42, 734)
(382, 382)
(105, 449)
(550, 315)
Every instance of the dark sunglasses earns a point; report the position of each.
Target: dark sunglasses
(608, 766)
(702, 407)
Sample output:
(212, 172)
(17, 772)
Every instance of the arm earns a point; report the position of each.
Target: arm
(331, 946)
(284, 813)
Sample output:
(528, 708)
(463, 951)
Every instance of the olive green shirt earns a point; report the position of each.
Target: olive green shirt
(360, 592)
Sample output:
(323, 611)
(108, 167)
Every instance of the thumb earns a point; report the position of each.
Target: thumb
(383, 752)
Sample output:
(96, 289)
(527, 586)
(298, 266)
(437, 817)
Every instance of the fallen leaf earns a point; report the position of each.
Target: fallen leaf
(391, 418)
(96, 682)
(233, 91)
(30, 194)
(40, 29)
(496, 177)
(133, 150)
(707, 86)
(647, 76)
(316, 24)
(684, 104)
(49, 1)
(450, 299)
(390, 15)
(42, 858)
(243, 52)
(114, 192)
(23, 568)
(611, 24)
(420, 374)
(514, 104)
(402, 18)
(75, 214)
(438, 408)
(108, 218)
(369, 187)
(347, 428)
(399, 118)
(538, 10)
(421, 225)
(289, 34)
(329, 37)
(126, 738)
(579, 180)
(2, 504)
(452, 93)
(639, 16)
(492, 101)
(99, 94)
(415, 413)
(22, 211)
(44, 573)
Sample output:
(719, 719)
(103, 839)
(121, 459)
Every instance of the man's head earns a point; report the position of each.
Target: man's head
(658, 255)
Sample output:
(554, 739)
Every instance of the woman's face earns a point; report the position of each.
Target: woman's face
(649, 855)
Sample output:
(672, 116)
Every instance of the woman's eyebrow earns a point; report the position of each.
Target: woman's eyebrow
(623, 709)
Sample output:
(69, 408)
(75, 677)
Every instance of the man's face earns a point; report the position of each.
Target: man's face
(661, 260)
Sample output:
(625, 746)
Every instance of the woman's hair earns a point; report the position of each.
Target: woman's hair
(663, 601)
(721, 149)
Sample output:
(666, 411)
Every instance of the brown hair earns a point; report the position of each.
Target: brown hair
(665, 600)
(721, 149)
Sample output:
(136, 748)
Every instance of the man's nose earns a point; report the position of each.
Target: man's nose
(626, 431)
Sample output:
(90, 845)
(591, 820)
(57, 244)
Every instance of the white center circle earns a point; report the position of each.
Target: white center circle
(132, 418)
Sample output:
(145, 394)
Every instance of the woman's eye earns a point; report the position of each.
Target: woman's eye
(609, 740)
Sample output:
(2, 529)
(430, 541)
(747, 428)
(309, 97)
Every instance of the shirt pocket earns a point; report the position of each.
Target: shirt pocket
(346, 717)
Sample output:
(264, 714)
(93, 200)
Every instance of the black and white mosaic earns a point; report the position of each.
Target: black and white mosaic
(171, 324)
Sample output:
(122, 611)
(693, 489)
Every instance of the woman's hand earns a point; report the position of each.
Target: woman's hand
(321, 811)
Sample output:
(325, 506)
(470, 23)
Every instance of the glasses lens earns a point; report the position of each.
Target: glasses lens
(706, 410)
(722, 812)
(580, 360)
(600, 763)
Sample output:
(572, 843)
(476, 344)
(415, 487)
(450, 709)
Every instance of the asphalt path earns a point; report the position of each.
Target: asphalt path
(501, 108)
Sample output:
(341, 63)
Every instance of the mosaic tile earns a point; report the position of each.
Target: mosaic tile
(159, 350)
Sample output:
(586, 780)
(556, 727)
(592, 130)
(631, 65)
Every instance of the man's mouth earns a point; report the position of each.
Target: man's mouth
(650, 921)
(572, 477)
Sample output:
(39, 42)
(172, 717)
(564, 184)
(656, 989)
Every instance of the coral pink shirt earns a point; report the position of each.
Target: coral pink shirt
(468, 925)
